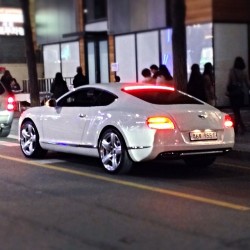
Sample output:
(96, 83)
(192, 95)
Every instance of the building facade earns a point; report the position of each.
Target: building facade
(13, 50)
(110, 37)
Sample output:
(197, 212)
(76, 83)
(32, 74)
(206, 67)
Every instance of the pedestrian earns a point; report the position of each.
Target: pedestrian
(235, 87)
(117, 78)
(195, 86)
(79, 78)
(154, 70)
(6, 79)
(147, 78)
(15, 87)
(164, 76)
(58, 86)
(209, 83)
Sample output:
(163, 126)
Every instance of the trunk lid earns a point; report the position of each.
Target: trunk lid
(193, 117)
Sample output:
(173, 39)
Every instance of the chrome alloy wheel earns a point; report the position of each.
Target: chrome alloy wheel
(110, 151)
(28, 138)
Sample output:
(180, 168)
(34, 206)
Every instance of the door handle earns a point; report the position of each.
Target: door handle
(82, 115)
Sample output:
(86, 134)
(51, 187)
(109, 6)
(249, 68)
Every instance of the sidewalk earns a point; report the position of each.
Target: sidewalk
(242, 142)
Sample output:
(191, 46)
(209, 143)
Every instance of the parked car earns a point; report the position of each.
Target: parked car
(7, 105)
(127, 123)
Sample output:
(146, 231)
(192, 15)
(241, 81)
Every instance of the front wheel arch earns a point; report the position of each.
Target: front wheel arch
(29, 140)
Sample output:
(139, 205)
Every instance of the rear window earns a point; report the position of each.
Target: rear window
(162, 96)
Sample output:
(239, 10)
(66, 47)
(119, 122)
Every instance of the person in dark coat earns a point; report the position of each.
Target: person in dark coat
(117, 79)
(154, 70)
(6, 79)
(15, 87)
(209, 83)
(79, 78)
(195, 85)
(59, 86)
(237, 81)
(164, 76)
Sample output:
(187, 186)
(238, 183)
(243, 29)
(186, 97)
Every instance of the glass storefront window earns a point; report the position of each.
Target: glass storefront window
(199, 45)
(104, 67)
(166, 49)
(95, 10)
(147, 51)
(125, 57)
(52, 62)
(70, 58)
(91, 62)
(62, 58)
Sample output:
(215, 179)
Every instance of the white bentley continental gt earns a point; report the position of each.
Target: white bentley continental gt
(127, 123)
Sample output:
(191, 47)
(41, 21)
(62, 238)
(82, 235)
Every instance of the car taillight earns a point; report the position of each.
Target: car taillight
(10, 103)
(160, 122)
(228, 121)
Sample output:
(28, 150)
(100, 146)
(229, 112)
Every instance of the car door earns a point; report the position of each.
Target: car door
(64, 124)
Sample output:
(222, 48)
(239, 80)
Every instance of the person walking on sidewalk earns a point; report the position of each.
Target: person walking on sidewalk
(79, 78)
(59, 86)
(209, 83)
(195, 86)
(237, 79)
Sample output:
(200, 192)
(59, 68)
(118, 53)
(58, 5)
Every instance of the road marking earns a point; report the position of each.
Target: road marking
(232, 165)
(134, 185)
(49, 161)
(13, 137)
(9, 144)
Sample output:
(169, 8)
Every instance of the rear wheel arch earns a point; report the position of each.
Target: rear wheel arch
(111, 127)
(114, 154)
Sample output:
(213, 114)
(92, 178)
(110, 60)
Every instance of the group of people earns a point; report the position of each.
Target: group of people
(157, 75)
(202, 85)
(10, 82)
(59, 86)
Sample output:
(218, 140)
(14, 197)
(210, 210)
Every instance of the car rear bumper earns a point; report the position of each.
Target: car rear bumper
(177, 152)
(184, 154)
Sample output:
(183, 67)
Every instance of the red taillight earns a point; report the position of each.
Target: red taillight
(10, 103)
(228, 121)
(160, 122)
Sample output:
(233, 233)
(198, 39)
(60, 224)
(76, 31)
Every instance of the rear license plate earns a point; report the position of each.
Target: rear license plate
(203, 136)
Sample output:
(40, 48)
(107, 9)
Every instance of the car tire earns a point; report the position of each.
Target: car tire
(29, 141)
(200, 161)
(4, 132)
(113, 152)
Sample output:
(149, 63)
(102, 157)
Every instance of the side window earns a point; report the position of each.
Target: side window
(87, 97)
(82, 98)
(105, 98)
